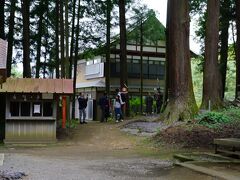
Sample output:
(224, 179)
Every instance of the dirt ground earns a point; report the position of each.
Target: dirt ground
(193, 135)
(95, 151)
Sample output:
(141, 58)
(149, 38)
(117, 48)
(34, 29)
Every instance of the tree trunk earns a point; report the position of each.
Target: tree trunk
(57, 38)
(39, 39)
(107, 69)
(72, 40)
(10, 37)
(224, 20)
(182, 104)
(141, 65)
(62, 40)
(26, 39)
(166, 78)
(211, 75)
(123, 53)
(66, 60)
(123, 42)
(2, 33)
(75, 59)
(46, 37)
(238, 50)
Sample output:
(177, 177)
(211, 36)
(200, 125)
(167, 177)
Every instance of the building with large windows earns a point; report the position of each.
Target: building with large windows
(90, 72)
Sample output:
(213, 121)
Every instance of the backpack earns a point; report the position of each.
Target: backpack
(123, 97)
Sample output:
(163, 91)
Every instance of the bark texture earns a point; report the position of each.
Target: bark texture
(2, 33)
(26, 39)
(57, 38)
(10, 37)
(123, 48)
(212, 86)
(39, 38)
(181, 104)
(76, 58)
(238, 50)
(224, 20)
(108, 34)
(62, 40)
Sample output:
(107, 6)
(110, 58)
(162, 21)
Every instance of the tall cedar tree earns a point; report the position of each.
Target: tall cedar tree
(212, 85)
(224, 21)
(10, 37)
(238, 50)
(26, 39)
(123, 48)
(66, 60)
(76, 57)
(182, 104)
(57, 38)
(108, 34)
(123, 51)
(2, 34)
(72, 40)
(39, 37)
(62, 40)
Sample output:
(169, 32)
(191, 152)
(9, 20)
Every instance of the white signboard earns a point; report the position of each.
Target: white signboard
(3, 54)
(94, 71)
(36, 109)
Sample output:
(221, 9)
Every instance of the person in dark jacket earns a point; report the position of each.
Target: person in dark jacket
(104, 104)
(149, 104)
(159, 100)
(82, 102)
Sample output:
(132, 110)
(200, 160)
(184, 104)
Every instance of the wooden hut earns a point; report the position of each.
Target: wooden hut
(31, 108)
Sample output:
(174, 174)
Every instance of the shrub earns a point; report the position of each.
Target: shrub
(212, 119)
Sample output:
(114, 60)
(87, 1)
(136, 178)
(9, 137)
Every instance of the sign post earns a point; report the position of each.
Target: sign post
(3, 54)
(3, 60)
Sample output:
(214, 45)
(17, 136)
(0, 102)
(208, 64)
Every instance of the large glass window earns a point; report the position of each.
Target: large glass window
(14, 108)
(47, 109)
(25, 109)
(31, 109)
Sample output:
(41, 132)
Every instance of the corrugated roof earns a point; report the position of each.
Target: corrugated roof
(31, 85)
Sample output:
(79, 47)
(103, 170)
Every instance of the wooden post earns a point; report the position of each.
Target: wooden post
(64, 113)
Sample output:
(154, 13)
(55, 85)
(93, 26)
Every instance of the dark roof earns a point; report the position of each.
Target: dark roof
(154, 31)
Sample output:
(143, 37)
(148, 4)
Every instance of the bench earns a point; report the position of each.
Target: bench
(231, 146)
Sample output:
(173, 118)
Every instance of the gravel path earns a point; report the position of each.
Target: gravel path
(96, 151)
(146, 128)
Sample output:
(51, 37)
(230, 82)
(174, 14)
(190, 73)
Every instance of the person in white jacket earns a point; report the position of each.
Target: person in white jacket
(122, 102)
(117, 109)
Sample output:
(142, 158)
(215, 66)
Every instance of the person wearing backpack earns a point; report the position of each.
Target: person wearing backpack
(122, 100)
(117, 109)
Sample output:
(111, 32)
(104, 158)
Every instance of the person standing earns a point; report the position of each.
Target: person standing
(117, 109)
(159, 100)
(149, 104)
(104, 105)
(122, 101)
(82, 102)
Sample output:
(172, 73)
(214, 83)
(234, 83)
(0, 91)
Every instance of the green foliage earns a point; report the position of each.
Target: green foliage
(135, 101)
(72, 123)
(197, 77)
(215, 119)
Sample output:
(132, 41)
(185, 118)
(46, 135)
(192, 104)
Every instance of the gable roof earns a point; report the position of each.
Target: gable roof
(154, 31)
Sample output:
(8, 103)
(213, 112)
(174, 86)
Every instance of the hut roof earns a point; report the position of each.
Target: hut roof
(31, 85)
